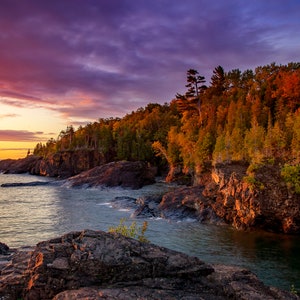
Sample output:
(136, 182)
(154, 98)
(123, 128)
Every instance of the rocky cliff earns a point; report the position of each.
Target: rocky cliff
(228, 194)
(223, 194)
(263, 201)
(61, 164)
(99, 265)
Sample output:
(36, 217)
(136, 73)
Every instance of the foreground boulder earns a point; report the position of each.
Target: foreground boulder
(122, 173)
(98, 265)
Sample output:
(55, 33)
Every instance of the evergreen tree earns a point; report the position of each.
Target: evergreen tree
(218, 81)
(192, 100)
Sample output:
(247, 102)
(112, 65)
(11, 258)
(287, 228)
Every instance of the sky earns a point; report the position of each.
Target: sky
(71, 62)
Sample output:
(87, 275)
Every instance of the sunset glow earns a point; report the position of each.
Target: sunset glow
(72, 62)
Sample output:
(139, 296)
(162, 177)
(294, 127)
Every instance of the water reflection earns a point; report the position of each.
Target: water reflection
(273, 258)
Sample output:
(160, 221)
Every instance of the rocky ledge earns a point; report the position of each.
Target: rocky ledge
(122, 173)
(127, 174)
(224, 196)
(98, 265)
(62, 164)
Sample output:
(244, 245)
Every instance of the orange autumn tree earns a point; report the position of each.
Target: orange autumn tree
(248, 115)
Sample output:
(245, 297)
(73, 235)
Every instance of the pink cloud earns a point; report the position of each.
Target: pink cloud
(20, 136)
(3, 116)
(123, 54)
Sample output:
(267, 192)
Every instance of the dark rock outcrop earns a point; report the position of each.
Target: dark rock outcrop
(99, 265)
(62, 164)
(69, 163)
(123, 173)
(3, 249)
(263, 202)
(88, 165)
(21, 184)
(188, 202)
(147, 207)
(18, 166)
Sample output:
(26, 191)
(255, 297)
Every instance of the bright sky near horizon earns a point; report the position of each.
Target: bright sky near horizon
(68, 62)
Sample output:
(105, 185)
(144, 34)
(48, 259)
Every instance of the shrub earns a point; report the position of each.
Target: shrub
(253, 183)
(133, 231)
(291, 175)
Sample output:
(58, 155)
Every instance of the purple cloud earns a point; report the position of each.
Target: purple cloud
(90, 59)
(20, 136)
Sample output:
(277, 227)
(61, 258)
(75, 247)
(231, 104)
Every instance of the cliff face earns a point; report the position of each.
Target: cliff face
(263, 202)
(69, 163)
(61, 164)
(226, 194)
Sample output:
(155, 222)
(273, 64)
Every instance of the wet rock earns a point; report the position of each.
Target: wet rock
(3, 249)
(124, 202)
(21, 184)
(148, 207)
(123, 173)
(188, 202)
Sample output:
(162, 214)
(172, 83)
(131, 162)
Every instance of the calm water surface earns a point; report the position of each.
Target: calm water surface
(30, 214)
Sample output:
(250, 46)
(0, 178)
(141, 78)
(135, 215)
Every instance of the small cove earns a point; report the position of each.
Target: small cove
(30, 214)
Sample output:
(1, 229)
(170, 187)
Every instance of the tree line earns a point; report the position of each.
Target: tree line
(250, 116)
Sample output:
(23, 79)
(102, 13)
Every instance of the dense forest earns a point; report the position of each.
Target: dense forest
(249, 116)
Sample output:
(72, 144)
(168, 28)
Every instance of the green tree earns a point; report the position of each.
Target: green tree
(295, 146)
(218, 81)
(192, 100)
(254, 142)
(275, 141)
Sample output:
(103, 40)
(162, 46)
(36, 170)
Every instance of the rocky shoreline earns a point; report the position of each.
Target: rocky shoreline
(221, 194)
(99, 265)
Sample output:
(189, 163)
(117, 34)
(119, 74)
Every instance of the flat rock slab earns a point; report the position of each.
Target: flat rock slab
(98, 265)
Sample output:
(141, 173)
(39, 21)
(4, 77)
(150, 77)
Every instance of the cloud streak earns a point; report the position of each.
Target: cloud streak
(3, 116)
(19, 136)
(90, 59)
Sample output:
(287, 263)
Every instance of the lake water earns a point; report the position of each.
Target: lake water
(30, 214)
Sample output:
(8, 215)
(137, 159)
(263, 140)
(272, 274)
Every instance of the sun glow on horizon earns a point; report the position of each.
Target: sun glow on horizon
(21, 128)
(15, 150)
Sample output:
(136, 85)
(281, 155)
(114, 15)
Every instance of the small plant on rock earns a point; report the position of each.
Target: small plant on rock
(294, 290)
(253, 183)
(291, 175)
(133, 231)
